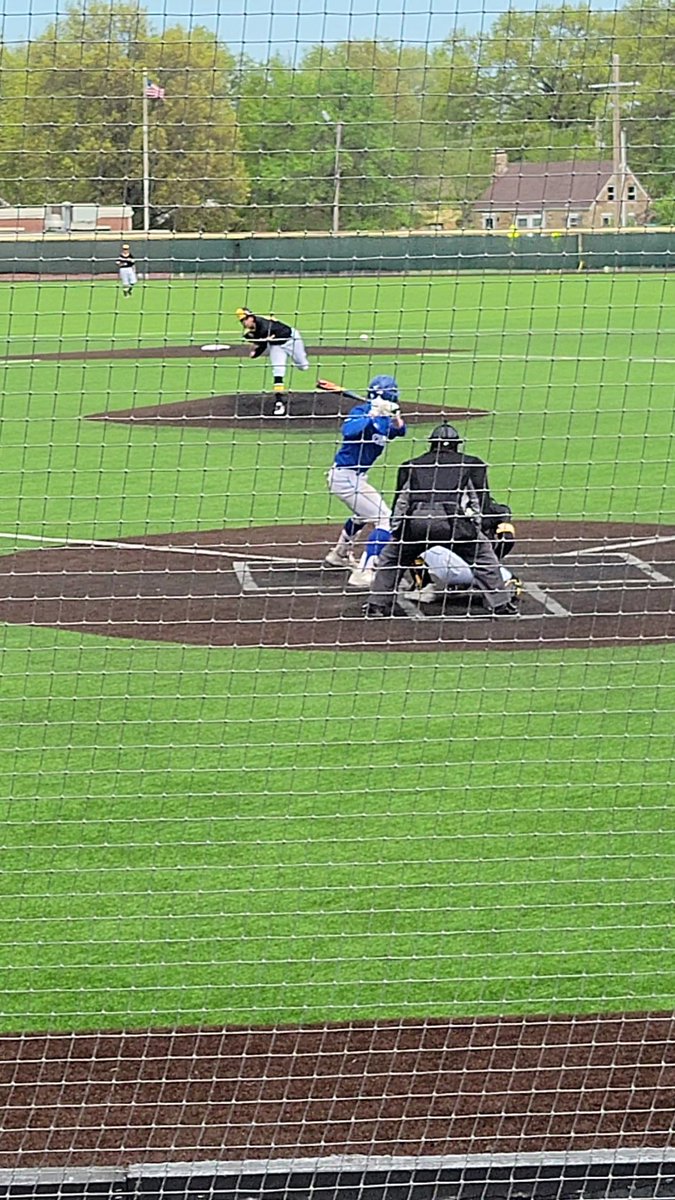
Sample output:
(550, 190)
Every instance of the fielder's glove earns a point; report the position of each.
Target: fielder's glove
(505, 539)
(384, 408)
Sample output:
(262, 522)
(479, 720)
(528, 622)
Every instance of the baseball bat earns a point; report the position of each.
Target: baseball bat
(325, 385)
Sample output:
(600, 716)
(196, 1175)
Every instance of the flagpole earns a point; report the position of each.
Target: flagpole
(146, 158)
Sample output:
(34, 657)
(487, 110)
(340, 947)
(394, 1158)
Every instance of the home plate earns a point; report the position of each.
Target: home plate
(215, 346)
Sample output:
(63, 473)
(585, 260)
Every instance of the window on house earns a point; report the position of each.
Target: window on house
(631, 192)
(610, 191)
(607, 218)
(537, 220)
(488, 222)
(573, 220)
(521, 223)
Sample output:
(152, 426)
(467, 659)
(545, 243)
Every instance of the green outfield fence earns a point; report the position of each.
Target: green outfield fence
(292, 254)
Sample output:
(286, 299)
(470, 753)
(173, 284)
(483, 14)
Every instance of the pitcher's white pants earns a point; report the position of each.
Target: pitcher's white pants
(293, 349)
(361, 498)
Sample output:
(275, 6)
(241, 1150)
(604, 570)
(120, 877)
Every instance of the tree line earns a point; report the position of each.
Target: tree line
(242, 145)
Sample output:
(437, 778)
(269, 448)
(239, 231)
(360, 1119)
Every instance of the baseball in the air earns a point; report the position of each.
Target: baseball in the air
(364, 337)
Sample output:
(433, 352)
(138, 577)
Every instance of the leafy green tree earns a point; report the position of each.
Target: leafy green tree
(73, 118)
(663, 210)
(290, 149)
(646, 47)
(537, 69)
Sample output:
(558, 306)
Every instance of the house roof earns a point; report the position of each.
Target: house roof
(529, 186)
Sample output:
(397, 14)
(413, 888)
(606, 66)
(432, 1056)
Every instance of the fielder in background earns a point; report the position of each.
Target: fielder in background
(438, 504)
(368, 429)
(126, 265)
(280, 342)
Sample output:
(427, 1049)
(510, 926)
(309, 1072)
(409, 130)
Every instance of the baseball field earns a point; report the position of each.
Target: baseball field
(204, 834)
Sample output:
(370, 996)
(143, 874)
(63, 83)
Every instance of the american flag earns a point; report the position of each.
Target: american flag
(152, 91)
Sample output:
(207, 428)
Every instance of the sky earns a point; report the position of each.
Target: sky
(261, 27)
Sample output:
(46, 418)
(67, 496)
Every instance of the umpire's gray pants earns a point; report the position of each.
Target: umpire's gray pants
(397, 556)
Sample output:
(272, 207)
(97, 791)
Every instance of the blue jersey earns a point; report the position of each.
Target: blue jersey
(364, 438)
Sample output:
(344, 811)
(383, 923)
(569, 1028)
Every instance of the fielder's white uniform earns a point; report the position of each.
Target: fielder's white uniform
(126, 264)
(128, 277)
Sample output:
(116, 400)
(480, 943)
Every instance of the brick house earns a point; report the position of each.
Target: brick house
(582, 194)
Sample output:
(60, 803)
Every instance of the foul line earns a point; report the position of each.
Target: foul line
(612, 546)
(105, 544)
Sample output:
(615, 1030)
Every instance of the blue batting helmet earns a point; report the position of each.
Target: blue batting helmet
(383, 387)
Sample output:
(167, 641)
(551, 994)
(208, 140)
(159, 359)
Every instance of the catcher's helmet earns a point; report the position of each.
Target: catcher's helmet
(445, 436)
(383, 387)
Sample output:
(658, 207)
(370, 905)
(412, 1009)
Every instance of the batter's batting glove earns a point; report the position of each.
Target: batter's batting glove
(505, 539)
(383, 408)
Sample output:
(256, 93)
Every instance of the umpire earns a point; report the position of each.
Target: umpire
(439, 501)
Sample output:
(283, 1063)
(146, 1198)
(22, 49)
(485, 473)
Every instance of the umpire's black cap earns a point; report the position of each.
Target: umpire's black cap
(445, 435)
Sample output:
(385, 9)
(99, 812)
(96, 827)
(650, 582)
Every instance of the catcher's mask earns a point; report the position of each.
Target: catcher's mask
(383, 387)
(445, 436)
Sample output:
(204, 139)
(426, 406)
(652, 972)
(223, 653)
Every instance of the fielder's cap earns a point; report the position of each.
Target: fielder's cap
(445, 434)
(242, 313)
(383, 387)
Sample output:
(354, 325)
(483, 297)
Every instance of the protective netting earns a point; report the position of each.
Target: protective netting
(337, 568)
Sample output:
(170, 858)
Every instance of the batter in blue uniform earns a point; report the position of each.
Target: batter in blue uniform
(367, 431)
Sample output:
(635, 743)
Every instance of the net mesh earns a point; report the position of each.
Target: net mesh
(317, 874)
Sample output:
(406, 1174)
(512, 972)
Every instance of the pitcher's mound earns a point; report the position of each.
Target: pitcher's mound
(263, 410)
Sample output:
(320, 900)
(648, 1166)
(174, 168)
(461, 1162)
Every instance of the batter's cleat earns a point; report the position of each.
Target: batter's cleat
(341, 556)
(361, 577)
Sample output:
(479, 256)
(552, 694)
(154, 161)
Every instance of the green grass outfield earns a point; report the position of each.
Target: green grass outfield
(200, 835)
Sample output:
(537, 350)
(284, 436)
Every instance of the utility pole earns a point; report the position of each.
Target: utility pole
(146, 158)
(619, 156)
(338, 126)
(617, 142)
(336, 175)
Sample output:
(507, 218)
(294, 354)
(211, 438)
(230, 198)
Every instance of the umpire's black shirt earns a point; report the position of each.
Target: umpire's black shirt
(441, 478)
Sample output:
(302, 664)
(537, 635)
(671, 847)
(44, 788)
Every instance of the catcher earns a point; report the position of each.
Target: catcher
(280, 342)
